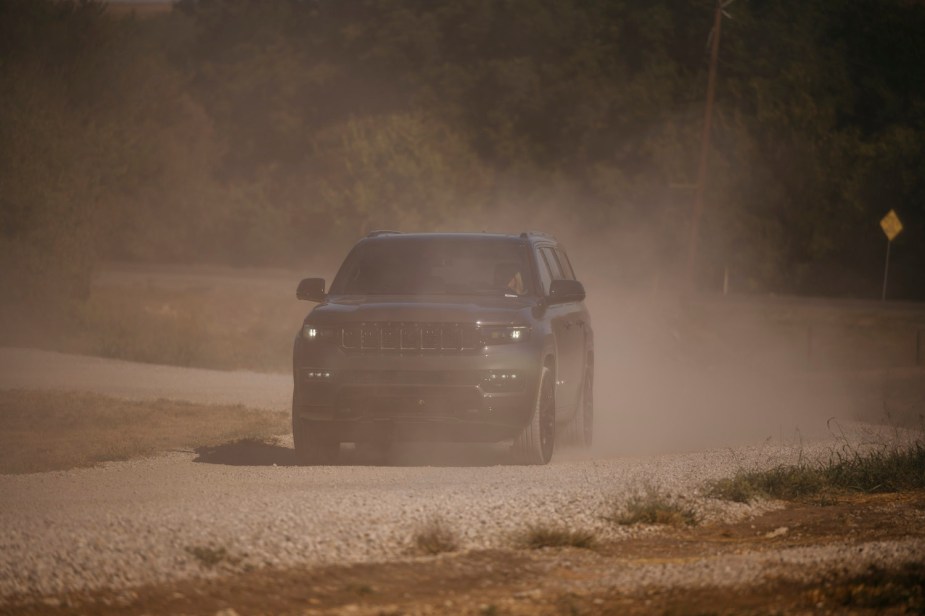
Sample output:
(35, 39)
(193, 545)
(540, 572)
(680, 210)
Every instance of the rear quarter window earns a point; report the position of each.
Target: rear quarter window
(566, 265)
(553, 262)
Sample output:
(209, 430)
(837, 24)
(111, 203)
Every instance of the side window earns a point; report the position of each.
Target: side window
(545, 274)
(566, 264)
(554, 268)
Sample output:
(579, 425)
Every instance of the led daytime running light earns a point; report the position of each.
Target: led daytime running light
(504, 334)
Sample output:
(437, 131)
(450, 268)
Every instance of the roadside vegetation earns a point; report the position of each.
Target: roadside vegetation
(655, 508)
(211, 556)
(211, 325)
(49, 430)
(199, 150)
(433, 537)
(206, 320)
(268, 133)
(541, 536)
(886, 469)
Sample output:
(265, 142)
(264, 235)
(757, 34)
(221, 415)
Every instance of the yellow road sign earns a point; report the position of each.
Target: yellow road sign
(891, 225)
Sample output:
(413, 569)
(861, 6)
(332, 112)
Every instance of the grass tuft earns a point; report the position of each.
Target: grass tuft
(210, 556)
(888, 469)
(541, 536)
(653, 507)
(435, 537)
(785, 482)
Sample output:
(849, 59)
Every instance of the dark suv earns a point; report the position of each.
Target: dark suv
(445, 337)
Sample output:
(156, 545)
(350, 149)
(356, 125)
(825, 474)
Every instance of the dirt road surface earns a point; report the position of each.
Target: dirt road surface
(128, 536)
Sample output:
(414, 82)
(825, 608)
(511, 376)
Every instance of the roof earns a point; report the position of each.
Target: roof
(527, 235)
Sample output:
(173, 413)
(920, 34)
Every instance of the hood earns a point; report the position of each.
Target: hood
(421, 309)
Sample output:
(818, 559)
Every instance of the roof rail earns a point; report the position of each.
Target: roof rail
(379, 232)
(527, 234)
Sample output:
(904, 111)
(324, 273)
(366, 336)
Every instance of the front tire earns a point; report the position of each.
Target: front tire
(310, 449)
(535, 444)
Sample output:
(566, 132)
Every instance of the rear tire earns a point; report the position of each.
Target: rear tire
(537, 441)
(310, 450)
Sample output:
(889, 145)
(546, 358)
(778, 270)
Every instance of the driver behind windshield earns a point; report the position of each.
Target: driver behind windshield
(509, 279)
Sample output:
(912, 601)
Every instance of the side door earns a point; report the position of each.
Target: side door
(569, 338)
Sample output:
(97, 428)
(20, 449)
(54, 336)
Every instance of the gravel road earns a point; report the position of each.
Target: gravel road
(137, 522)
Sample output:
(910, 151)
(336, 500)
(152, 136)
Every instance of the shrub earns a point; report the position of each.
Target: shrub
(435, 537)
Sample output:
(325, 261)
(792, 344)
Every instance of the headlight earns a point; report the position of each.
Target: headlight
(317, 333)
(504, 334)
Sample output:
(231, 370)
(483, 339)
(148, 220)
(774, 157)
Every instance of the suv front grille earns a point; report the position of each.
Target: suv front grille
(446, 337)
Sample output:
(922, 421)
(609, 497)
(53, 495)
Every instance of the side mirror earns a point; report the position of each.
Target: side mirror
(311, 289)
(564, 291)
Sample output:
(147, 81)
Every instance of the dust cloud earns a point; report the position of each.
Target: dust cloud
(661, 385)
(678, 372)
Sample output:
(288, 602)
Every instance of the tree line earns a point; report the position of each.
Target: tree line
(254, 133)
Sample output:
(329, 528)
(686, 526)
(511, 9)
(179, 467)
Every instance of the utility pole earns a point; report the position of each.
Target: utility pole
(704, 145)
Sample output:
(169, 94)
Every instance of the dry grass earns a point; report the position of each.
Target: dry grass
(435, 537)
(542, 536)
(212, 556)
(890, 468)
(219, 321)
(46, 430)
(653, 507)
(211, 326)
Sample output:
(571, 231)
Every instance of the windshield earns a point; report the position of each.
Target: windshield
(446, 266)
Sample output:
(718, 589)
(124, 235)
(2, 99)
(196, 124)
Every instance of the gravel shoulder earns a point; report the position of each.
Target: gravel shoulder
(792, 559)
(140, 522)
(135, 522)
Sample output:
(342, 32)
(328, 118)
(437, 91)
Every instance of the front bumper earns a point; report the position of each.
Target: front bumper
(481, 396)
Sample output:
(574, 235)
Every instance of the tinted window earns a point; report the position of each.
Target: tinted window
(454, 266)
(566, 264)
(553, 263)
(545, 274)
